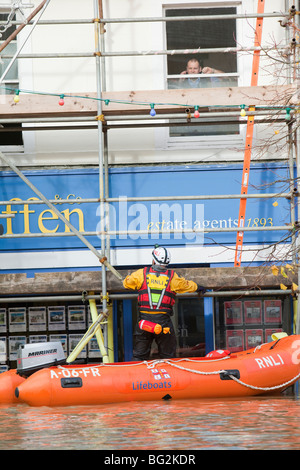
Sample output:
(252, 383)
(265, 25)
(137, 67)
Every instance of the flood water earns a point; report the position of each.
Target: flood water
(255, 423)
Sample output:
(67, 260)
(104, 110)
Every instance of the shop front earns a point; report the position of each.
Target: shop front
(204, 324)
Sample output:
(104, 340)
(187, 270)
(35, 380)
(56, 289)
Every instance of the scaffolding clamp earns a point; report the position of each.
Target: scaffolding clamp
(105, 314)
(293, 11)
(188, 115)
(105, 297)
(293, 43)
(83, 296)
(100, 117)
(296, 226)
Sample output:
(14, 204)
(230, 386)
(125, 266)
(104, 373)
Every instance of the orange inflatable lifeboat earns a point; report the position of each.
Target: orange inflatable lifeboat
(9, 380)
(31, 357)
(269, 368)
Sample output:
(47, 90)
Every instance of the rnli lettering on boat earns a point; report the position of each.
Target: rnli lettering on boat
(269, 361)
(149, 385)
(91, 372)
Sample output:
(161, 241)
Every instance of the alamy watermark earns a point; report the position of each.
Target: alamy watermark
(151, 220)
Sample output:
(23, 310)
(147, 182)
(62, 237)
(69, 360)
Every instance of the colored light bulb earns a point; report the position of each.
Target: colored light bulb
(61, 101)
(152, 111)
(17, 97)
(288, 115)
(243, 111)
(196, 113)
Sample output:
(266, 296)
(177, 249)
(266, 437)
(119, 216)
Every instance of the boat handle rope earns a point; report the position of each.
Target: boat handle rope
(253, 387)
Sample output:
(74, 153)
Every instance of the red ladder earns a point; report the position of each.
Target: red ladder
(249, 137)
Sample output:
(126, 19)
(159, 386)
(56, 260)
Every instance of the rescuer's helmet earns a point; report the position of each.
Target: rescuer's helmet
(161, 255)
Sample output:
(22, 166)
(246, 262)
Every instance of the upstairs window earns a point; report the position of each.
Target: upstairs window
(195, 70)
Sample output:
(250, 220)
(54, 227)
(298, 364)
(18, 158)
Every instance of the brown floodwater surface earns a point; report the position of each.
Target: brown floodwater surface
(256, 423)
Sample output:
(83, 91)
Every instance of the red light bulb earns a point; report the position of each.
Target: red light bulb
(196, 112)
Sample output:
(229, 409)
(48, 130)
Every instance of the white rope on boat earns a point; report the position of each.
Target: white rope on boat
(253, 387)
(167, 361)
(184, 359)
(266, 389)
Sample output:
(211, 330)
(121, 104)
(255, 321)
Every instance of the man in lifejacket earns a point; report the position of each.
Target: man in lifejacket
(157, 287)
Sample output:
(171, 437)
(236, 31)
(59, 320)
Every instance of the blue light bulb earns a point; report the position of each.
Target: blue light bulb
(152, 111)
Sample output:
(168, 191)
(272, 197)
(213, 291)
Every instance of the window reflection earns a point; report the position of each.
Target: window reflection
(190, 328)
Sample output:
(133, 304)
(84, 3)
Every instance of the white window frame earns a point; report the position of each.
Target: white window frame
(244, 63)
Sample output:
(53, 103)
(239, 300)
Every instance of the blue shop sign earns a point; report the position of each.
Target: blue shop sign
(141, 222)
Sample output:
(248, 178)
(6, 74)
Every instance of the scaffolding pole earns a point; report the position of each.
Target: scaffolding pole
(166, 19)
(74, 55)
(271, 113)
(154, 198)
(62, 298)
(152, 233)
(102, 179)
(157, 19)
(294, 139)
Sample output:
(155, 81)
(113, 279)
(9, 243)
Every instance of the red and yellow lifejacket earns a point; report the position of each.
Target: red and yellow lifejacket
(155, 295)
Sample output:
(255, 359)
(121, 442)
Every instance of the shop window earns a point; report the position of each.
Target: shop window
(188, 70)
(242, 324)
(34, 323)
(10, 134)
(190, 328)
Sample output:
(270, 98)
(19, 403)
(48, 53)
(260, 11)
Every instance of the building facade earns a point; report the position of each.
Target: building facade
(109, 141)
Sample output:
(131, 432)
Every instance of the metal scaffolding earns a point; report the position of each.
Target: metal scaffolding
(145, 121)
(62, 298)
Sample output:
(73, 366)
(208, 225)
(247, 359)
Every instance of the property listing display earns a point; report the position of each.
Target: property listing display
(35, 324)
(249, 323)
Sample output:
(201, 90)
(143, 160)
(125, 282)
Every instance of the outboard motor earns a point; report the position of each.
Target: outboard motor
(35, 356)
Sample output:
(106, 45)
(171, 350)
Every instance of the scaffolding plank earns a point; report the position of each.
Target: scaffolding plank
(59, 283)
(130, 102)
